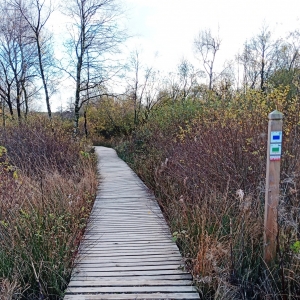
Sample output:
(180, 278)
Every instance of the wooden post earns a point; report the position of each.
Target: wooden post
(272, 185)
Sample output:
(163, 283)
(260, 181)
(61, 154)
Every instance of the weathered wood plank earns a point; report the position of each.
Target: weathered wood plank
(130, 259)
(138, 234)
(129, 282)
(117, 248)
(108, 246)
(128, 273)
(137, 238)
(130, 255)
(98, 268)
(127, 264)
(149, 278)
(122, 250)
(182, 296)
(132, 289)
(115, 236)
(124, 242)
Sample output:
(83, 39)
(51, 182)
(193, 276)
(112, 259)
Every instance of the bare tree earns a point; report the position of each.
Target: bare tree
(187, 78)
(142, 88)
(137, 86)
(259, 59)
(207, 46)
(7, 82)
(181, 85)
(16, 59)
(36, 14)
(95, 35)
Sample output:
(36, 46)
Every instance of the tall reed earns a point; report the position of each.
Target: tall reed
(48, 185)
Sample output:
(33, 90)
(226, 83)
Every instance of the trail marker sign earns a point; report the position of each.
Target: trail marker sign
(272, 185)
(276, 137)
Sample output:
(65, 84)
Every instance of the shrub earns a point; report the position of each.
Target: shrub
(48, 185)
(207, 168)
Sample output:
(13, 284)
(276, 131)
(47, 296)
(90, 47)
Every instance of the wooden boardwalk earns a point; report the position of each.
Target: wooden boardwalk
(127, 251)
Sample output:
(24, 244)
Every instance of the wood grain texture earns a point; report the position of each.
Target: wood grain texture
(127, 251)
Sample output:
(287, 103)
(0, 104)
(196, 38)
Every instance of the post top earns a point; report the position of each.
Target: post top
(275, 115)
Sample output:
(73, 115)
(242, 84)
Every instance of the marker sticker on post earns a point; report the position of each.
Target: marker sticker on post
(275, 151)
(276, 137)
(275, 157)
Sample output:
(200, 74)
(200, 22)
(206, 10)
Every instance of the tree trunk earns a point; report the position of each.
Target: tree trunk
(77, 96)
(85, 124)
(3, 112)
(19, 103)
(43, 76)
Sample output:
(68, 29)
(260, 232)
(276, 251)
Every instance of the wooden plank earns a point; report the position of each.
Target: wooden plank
(135, 208)
(100, 264)
(105, 240)
(134, 238)
(91, 267)
(146, 233)
(186, 277)
(129, 221)
(136, 245)
(122, 221)
(142, 230)
(125, 250)
(126, 219)
(117, 237)
(182, 296)
(88, 244)
(119, 204)
(102, 248)
(132, 289)
(133, 252)
(107, 246)
(132, 224)
(109, 225)
(129, 260)
(107, 215)
(133, 255)
(128, 273)
(127, 213)
(93, 257)
(126, 282)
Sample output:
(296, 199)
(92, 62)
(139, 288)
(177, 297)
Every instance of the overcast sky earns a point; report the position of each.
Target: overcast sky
(164, 30)
(168, 27)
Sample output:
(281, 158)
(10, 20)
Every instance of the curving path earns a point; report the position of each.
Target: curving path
(127, 251)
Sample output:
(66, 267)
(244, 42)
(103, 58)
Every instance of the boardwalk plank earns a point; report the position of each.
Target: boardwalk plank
(182, 296)
(129, 273)
(130, 255)
(128, 264)
(132, 289)
(126, 282)
(98, 268)
(130, 260)
(149, 278)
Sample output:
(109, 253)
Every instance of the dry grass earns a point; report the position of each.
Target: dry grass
(47, 191)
